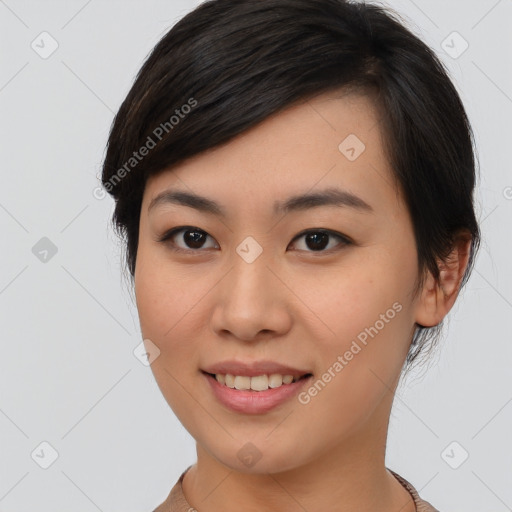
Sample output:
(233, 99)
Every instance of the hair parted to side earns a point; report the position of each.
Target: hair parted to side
(233, 63)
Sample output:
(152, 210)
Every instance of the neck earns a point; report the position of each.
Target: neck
(350, 476)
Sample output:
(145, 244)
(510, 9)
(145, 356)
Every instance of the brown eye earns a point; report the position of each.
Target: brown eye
(187, 238)
(320, 240)
(194, 239)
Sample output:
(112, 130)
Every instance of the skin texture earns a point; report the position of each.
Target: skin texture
(293, 305)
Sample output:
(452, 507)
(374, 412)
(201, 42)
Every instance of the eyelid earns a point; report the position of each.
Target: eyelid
(344, 240)
(167, 235)
(331, 232)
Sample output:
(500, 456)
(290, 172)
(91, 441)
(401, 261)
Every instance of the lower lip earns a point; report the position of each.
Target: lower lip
(254, 402)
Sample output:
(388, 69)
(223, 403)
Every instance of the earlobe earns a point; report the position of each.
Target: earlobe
(437, 297)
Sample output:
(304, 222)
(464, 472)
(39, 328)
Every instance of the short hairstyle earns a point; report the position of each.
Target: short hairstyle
(229, 64)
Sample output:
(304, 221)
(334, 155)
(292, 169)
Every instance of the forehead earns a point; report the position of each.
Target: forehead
(331, 140)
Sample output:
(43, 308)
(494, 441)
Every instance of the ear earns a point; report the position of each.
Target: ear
(437, 297)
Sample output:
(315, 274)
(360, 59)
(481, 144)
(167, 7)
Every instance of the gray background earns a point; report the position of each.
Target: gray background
(68, 375)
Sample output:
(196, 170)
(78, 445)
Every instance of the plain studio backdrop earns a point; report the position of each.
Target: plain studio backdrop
(83, 425)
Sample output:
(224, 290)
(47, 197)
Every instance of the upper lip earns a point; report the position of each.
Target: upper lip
(253, 369)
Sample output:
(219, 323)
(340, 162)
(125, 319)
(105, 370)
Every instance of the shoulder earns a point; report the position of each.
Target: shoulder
(175, 501)
(421, 505)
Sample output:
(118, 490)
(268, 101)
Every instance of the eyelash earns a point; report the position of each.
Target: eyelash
(168, 235)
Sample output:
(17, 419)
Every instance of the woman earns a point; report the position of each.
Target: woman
(294, 181)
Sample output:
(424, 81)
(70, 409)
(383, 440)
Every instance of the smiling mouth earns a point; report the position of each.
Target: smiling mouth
(258, 383)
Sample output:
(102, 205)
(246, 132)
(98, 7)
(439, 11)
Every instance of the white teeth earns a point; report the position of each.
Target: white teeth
(259, 383)
(287, 379)
(275, 380)
(242, 382)
(230, 381)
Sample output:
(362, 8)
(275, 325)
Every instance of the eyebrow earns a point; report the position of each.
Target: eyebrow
(327, 197)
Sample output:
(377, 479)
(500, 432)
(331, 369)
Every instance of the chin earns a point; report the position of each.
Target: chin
(253, 457)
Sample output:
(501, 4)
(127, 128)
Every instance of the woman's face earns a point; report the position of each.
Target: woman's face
(322, 286)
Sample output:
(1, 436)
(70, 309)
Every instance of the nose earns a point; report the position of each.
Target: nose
(251, 303)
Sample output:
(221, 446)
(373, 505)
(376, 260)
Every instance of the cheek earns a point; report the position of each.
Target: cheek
(168, 317)
(360, 360)
(166, 294)
(365, 315)
(167, 303)
(344, 300)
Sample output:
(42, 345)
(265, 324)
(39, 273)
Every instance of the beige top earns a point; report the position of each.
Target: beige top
(176, 501)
